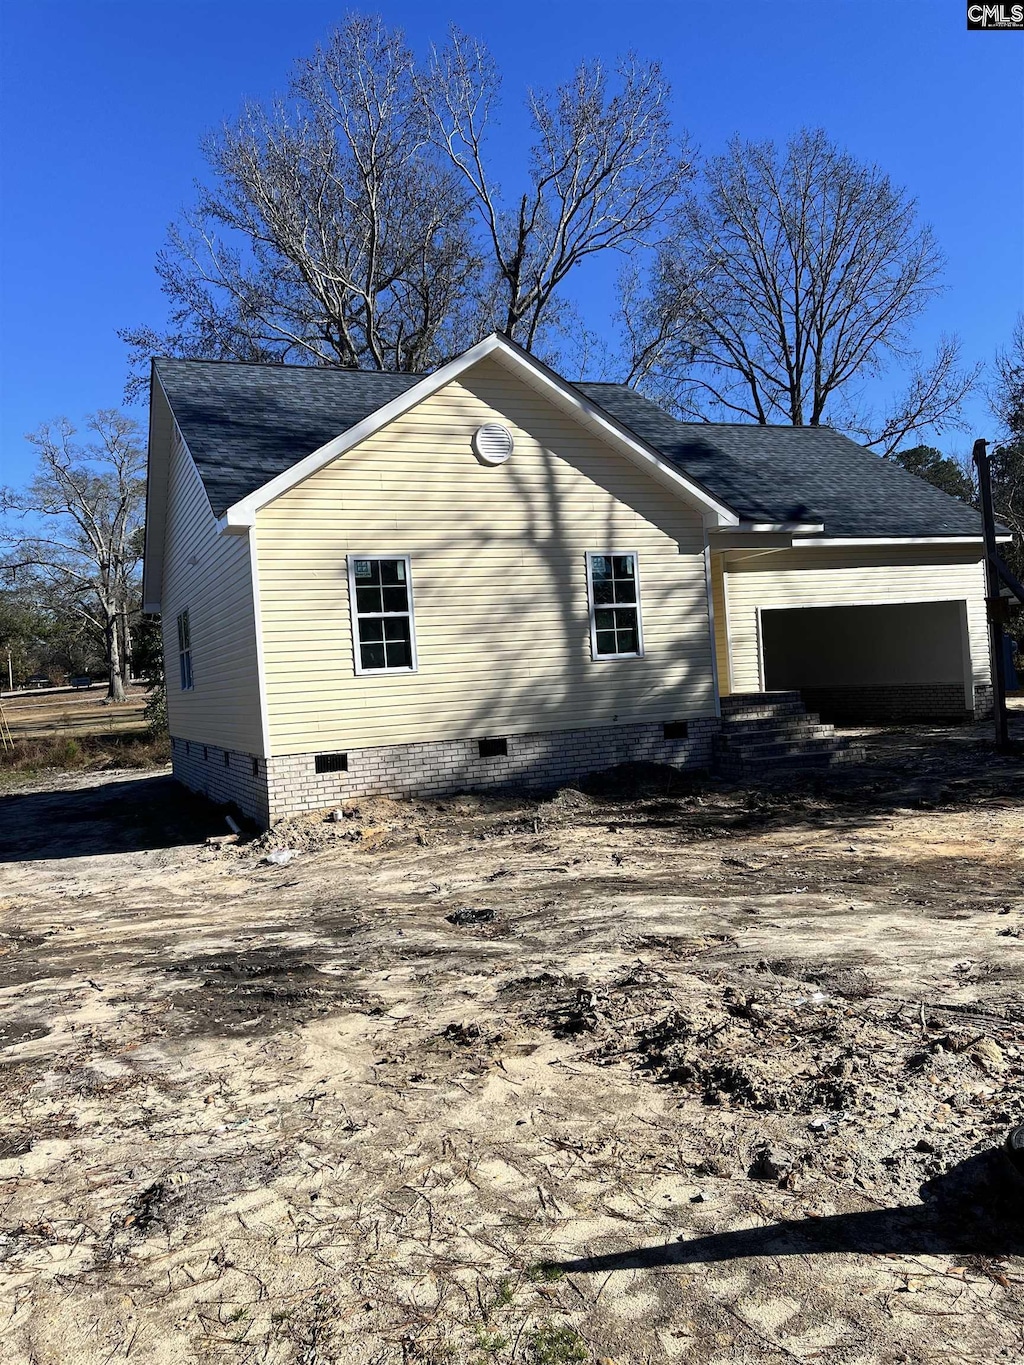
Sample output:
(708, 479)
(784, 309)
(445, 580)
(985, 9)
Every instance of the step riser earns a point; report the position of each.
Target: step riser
(737, 744)
(769, 733)
(737, 700)
(775, 734)
(739, 725)
(762, 752)
(806, 763)
(784, 711)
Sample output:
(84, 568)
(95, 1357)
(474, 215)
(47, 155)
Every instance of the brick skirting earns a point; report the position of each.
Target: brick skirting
(240, 781)
(910, 701)
(289, 784)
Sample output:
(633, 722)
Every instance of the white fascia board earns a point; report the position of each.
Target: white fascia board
(896, 540)
(794, 528)
(242, 514)
(725, 539)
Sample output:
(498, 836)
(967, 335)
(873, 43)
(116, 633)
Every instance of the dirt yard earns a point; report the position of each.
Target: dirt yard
(72, 714)
(672, 1072)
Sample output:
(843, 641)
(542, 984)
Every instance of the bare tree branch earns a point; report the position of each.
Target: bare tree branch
(604, 169)
(790, 276)
(332, 232)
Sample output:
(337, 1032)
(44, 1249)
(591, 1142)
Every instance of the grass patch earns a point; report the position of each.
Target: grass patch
(544, 1272)
(549, 1345)
(85, 753)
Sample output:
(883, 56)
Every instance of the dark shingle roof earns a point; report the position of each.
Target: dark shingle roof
(793, 474)
(245, 424)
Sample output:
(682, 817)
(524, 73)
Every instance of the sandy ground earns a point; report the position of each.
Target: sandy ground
(678, 1072)
(55, 715)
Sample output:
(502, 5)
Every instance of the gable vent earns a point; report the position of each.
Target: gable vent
(492, 443)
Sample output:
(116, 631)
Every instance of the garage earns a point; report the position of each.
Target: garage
(908, 660)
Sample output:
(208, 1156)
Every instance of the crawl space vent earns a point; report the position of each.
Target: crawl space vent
(330, 763)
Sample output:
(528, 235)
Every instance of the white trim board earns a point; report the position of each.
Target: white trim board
(156, 506)
(839, 541)
(709, 596)
(261, 665)
(241, 515)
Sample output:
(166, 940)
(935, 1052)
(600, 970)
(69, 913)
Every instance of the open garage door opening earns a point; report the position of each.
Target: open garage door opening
(907, 660)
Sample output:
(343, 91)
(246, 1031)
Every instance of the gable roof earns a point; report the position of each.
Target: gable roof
(788, 474)
(246, 424)
(254, 430)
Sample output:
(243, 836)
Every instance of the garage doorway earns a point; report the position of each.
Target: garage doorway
(906, 660)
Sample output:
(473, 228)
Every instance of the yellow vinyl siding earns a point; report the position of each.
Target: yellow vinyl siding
(854, 576)
(209, 574)
(498, 575)
(721, 625)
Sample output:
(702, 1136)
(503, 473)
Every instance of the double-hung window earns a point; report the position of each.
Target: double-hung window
(185, 652)
(380, 590)
(613, 585)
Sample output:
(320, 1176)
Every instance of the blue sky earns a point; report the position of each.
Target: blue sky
(103, 105)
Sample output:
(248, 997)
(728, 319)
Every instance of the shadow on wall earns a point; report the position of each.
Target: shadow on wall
(521, 697)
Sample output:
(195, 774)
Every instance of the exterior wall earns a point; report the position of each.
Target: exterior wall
(853, 576)
(241, 781)
(210, 574)
(540, 759)
(498, 576)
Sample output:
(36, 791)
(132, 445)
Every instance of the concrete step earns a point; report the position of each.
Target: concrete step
(737, 732)
(780, 710)
(737, 701)
(757, 744)
(772, 749)
(769, 733)
(794, 764)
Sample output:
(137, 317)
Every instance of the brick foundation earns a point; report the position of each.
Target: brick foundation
(288, 784)
(984, 703)
(240, 782)
(911, 701)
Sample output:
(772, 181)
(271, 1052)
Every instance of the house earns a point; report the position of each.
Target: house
(393, 583)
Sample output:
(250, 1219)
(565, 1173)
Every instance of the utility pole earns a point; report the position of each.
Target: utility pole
(995, 602)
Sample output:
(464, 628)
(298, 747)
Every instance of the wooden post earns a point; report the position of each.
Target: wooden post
(994, 601)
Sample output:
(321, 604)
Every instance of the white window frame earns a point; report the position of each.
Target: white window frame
(608, 554)
(354, 613)
(184, 624)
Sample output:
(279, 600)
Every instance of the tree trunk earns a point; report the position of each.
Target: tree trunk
(126, 647)
(115, 686)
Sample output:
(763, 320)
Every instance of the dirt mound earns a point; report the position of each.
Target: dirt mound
(630, 781)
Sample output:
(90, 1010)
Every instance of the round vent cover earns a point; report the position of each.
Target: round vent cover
(492, 443)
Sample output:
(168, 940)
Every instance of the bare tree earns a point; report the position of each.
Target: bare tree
(332, 231)
(791, 278)
(84, 512)
(1007, 401)
(604, 168)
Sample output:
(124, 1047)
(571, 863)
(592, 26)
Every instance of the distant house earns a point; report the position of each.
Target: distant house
(393, 583)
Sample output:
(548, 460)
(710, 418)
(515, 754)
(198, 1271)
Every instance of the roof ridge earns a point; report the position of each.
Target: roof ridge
(288, 365)
(681, 422)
